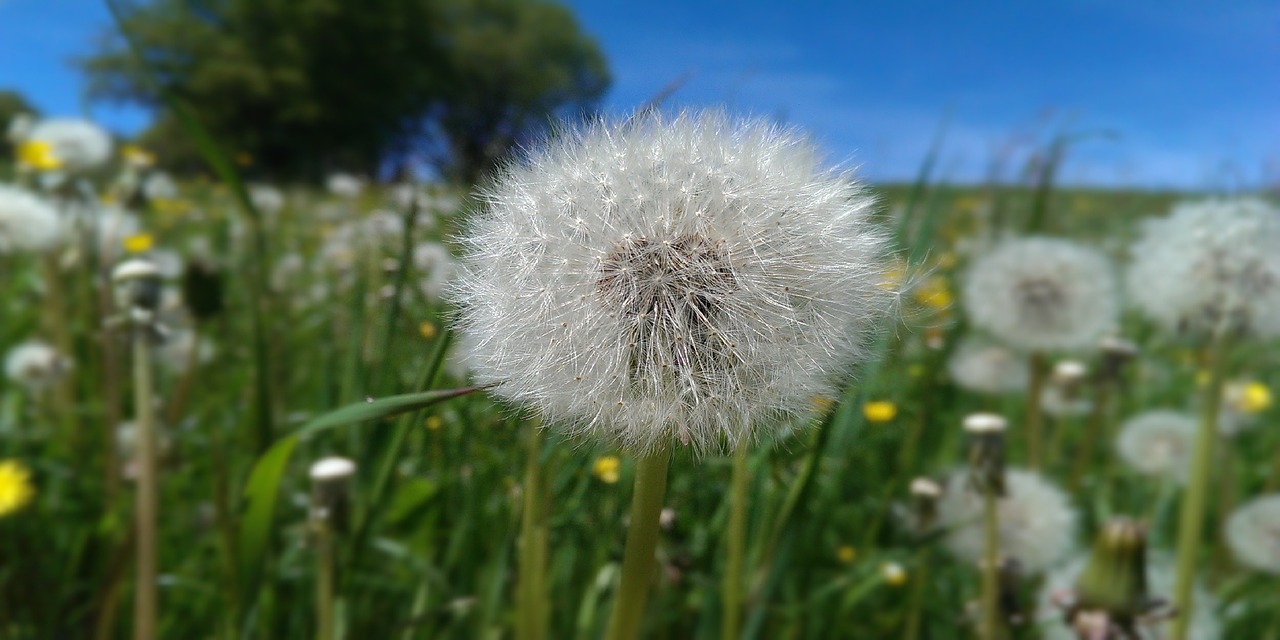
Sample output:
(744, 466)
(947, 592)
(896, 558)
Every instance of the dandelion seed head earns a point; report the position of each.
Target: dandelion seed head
(983, 366)
(1158, 443)
(35, 365)
(1037, 522)
(331, 469)
(670, 278)
(27, 223)
(1208, 264)
(1042, 294)
(266, 198)
(344, 185)
(78, 145)
(1253, 533)
(436, 265)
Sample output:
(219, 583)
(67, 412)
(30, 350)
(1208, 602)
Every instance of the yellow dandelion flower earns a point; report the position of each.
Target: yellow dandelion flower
(15, 486)
(139, 243)
(846, 554)
(880, 411)
(38, 155)
(434, 423)
(934, 293)
(137, 156)
(1202, 378)
(607, 469)
(893, 573)
(428, 330)
(1249, 397)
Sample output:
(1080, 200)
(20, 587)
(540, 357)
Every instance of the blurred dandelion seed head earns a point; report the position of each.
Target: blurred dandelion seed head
(1158, 442)
(671, 278)
(1253, 534)
(77, 145)
(27, 222)
(35, 365)
(983, 366)
(1208, 265)
(1037, 522)
(1042, 294)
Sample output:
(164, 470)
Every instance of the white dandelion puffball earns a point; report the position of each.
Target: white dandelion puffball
(1158, 443)
(266, 198)
(79, 145)
(1210, 263)
(1043, 294)
(160, 186)
(344, 185)
(688, 278)
(1253, 533)
(1037, 521)
(27, 223)
(983, 366)
(1161, 574)
(436, 265)
(35, 365)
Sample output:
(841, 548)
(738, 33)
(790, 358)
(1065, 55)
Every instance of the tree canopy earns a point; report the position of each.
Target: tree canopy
(12, 104)
(308, 86)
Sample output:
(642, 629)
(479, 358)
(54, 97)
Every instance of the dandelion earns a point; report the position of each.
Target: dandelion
(38, 155)
(983, 366)
(160, 187)
(78, 145)
(138, 243)
(137, 157)
(1248, 397)
(1208, 263)
(15, 487)
(437, 267)
(1158, 443)
(427, 329)
(1160, 582)
(1042, 294)
(846, 554)
(183, 349)
(344, 185)
(1253, 534)
(35, 365)
(27, 223)
(880, 411)
(434, 423)
(1037, 524)
(607, 468)
(934, 293)
(893, 574)
(266, 198)
(689, 279)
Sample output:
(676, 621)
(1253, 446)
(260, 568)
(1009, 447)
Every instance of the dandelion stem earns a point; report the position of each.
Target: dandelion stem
(642, 541)
(990, 621)
(1191, 518)
(145, 597)
(1033, 418)
(1093, 433)
(532, 594)
(324, 579)
(920, 577)
(736, 543)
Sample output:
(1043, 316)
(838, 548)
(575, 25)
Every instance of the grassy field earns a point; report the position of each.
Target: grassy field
(321, 305)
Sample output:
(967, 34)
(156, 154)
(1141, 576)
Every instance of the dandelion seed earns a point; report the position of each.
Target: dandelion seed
(1042, 294)
(689, 279)
(1253, 534)
(1037, 521)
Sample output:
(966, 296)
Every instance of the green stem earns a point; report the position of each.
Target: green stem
(1191, 520)
(642, 542)
(736, 542)
(921, 581)
(1093, 432)
(990, 624)
(532, 594)
(1034, 419)
(145, 597)
(324, 580)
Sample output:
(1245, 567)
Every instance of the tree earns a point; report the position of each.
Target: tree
(12, 104)
(308, 86)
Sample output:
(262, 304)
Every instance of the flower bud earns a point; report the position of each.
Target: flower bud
(330, 492)
(1115, 579)
(137, 284)
(986, 453)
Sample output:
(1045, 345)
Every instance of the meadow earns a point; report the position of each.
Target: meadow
(295, 323)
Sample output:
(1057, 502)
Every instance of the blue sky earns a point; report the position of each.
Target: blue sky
(1190, 90)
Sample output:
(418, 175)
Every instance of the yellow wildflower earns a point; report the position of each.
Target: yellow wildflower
(1248, 397)
(139, 243)
(934, 293)
(434, 423)
(846, 554)
(38, 155)
(15, 486)
(893, 573)
(171, 206)
(879, 411)
(428, 330)
(607, 469)
(946, 260)
(137, 156)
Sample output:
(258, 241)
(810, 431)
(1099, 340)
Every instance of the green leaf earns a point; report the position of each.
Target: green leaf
(263, 487)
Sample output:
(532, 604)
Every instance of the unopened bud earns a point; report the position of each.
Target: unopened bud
(925, 493)
(986, 453)
(1116, 352)
(1115, 579)
(137, 285)
(330, 491)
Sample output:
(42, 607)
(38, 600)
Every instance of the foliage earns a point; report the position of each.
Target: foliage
(309, 86)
